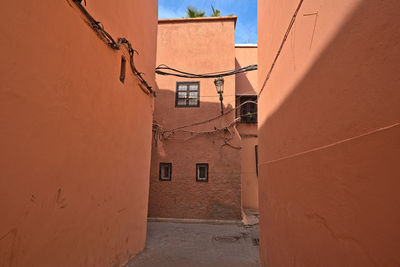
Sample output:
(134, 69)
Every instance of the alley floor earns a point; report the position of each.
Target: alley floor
(199, 245)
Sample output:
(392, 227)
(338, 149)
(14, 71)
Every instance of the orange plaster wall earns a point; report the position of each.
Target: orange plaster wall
(329, 134)
(75, 142)
(197, 46)
(249, 172)
(246, 84)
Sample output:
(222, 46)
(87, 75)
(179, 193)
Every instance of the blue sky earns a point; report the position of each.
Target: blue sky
(245, 10)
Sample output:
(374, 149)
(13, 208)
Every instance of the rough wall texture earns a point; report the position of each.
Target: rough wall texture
(246, 84)
(329, 134)
(197, 46)
(75, 142)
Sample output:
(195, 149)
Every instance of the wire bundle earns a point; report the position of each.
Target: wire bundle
(209, 120)
(165, 70)
(103, 34)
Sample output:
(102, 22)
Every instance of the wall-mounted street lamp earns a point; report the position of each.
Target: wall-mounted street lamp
(219, 85)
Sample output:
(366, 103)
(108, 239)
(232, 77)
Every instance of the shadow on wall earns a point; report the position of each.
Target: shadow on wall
(242, 82)
(183, 196)
(337, 206)
(165, 109)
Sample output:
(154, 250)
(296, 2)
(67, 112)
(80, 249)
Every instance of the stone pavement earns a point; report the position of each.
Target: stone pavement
(199, 245)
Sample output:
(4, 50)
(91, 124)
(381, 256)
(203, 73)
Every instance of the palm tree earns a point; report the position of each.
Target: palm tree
(192, 12)
(215, 12)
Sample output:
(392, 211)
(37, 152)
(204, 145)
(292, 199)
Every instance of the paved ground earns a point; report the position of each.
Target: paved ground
(198, 245)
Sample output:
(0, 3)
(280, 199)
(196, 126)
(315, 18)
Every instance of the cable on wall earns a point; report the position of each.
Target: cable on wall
(115, 45)
(165, 70)
(159, 133)
(281, 47)
(340, 142)
(209, 120)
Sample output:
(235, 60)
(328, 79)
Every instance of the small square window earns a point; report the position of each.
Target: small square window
(187, 94)
(165, 171)
(202, 172)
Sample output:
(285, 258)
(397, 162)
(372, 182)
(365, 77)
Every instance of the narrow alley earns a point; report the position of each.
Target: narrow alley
(199, 245)
(212, 133)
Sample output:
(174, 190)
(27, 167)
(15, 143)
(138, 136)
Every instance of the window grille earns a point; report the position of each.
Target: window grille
(187, 94)
(247, 111)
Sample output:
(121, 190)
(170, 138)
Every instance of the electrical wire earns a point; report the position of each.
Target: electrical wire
(208, 73)
(207, 132)
(210, 120)
(106, 37)
(340, 142)
(165, 70)
(281, 47)
(160, 134)
(214, 95)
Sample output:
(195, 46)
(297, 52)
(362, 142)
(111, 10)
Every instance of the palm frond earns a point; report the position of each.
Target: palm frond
(215, 12)
(192, 12)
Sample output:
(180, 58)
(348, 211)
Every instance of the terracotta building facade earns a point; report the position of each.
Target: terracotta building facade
(203, 163)
(329, 133)
(75, 132)
(195, 170)
(246, 113)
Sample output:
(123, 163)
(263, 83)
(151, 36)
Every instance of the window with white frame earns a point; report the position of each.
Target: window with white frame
(202, 172)
(165, 173)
